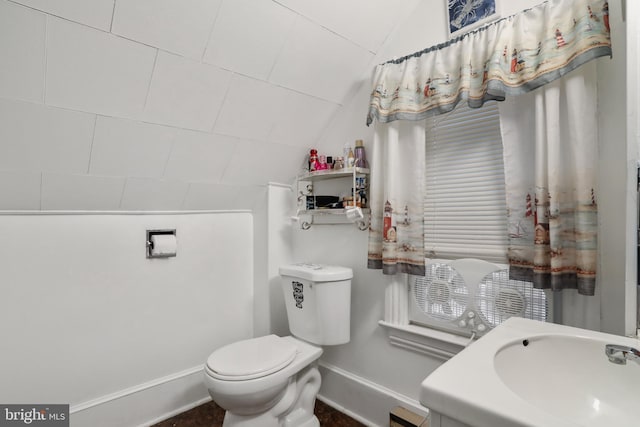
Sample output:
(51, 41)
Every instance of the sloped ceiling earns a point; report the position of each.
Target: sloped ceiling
(173, 104)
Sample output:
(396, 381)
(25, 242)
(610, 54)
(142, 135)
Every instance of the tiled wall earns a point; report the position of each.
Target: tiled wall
(170, 104)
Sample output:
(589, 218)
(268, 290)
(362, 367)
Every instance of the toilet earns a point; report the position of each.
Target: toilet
(272, 381)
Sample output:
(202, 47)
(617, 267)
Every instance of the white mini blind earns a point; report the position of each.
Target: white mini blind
(465, 212)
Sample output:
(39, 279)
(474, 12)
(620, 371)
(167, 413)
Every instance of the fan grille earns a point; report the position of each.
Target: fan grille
(442, 293)
(500, 298)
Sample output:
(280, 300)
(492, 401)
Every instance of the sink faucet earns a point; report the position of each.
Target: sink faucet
(619, 354)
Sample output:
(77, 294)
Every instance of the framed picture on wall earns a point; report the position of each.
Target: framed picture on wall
(467, 15)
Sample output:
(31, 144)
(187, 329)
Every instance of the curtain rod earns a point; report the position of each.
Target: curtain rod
(458, 38)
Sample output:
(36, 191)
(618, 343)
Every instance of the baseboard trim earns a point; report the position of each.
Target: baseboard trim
(144, 404)
(345, 411)
(363, 400)
(177, 411)
(135, 389)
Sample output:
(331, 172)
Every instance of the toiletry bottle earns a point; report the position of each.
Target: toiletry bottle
(322, 163)
(361, 158)
(351, 159)
(313, 160)
(345, 154)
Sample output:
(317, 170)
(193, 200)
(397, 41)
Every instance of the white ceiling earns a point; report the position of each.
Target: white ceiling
(173, 104)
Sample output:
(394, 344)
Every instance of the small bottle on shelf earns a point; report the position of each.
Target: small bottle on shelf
(360, 157)
(313, 160)
(322, 163)
(351, 158)
(345, 154)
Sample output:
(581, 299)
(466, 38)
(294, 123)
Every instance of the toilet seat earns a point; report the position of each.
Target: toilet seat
(252, 358)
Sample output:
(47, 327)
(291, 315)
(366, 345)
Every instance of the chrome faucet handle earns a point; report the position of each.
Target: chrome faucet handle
(619, 354)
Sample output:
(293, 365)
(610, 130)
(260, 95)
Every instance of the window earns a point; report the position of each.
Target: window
(465, 217)
(465, 210)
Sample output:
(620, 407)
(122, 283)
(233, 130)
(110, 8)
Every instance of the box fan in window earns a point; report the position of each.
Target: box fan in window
(471, 296)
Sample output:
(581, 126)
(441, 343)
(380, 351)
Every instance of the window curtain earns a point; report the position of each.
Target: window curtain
(550, 151)
(512, 56)
(396, 239)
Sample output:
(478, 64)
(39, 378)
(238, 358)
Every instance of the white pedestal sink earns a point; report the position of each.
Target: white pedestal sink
(529, 373)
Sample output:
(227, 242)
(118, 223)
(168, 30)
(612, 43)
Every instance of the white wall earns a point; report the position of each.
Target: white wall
(633, 128)
(172, 105)
(279, 252)
(85, 316)
(273, 237)
(617, 184)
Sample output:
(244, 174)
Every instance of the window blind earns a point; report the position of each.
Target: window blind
(465, 212)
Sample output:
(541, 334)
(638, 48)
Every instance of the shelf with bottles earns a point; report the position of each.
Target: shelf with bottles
(337, 210)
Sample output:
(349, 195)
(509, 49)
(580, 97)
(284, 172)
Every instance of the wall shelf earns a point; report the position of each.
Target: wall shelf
(332, 174)
(359, 216)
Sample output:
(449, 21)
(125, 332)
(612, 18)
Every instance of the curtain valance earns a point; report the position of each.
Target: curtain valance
(511, 56)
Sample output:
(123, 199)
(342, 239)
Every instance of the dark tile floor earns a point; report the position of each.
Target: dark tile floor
(211, 415)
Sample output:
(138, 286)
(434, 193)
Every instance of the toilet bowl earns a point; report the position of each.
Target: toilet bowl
(272, 381)
(258, 381)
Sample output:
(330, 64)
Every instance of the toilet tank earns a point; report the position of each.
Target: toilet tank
(318, 301)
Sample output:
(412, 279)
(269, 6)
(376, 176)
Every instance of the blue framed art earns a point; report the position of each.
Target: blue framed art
(466, 15)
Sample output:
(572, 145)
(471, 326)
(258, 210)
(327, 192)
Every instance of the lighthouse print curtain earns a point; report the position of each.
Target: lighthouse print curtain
(396, 239)
(550, 154)
(548, 132)
(512, 56)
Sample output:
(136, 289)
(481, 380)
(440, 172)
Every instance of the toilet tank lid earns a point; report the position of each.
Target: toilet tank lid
(317, 272)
